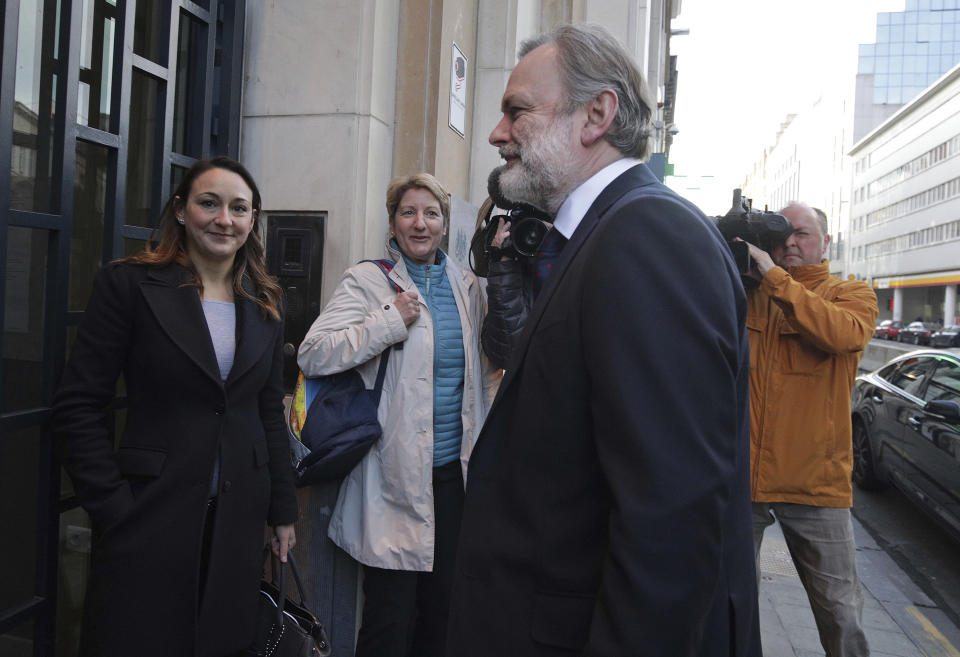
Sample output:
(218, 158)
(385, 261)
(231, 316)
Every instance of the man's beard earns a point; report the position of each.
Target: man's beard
(543, 174)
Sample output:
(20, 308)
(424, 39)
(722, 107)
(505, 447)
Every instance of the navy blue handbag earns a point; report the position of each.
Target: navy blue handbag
(341, 423)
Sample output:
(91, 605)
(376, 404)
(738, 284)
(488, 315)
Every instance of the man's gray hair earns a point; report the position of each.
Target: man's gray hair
(591, 61)
(816, 212)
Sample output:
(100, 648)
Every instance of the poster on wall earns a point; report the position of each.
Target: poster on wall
(458, 91)
(463, 219)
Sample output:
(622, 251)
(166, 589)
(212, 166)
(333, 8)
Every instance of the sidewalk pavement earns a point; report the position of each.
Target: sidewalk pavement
(900, 620)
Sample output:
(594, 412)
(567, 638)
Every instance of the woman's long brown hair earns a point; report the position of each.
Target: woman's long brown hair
(249, 259)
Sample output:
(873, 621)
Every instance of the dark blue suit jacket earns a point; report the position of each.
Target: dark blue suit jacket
(608, 508)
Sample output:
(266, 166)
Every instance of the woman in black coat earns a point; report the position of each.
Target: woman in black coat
(180, 506)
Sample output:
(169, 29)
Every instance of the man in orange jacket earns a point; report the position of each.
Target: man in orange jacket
(807, 332)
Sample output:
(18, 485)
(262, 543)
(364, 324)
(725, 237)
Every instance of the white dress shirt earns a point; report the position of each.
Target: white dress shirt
(572, 211)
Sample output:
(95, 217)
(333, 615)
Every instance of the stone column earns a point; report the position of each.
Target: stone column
(950, 305)
(898, 304)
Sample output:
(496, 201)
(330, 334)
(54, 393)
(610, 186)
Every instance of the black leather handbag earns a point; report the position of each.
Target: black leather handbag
(286, 628)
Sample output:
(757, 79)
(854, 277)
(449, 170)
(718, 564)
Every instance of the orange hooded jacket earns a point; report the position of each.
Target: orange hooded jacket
(807, 332)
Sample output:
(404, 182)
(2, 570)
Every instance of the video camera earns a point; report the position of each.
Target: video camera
(528, 226)
(527, 229)
(763, 229)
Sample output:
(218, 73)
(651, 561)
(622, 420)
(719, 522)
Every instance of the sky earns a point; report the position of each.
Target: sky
(745, 66)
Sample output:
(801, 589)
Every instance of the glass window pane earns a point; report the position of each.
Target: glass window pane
(24, 320)
(18, 642)
(944, 384)
(146, 117)
(19, 471)
(188, 105)
(176, 177)
(32, 154)
(150, 29)
(912, 374)
(89, 205)
(133, 247)
(96, 63)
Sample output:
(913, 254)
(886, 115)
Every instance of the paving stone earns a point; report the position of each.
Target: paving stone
(892, 643)
(875, 617)
(793, 615)
(805, 639)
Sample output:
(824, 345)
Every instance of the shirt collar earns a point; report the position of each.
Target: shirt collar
(572, 211)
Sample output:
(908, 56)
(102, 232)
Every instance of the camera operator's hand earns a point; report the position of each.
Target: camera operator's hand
(409, 307)
(503, 232)
(762, 259)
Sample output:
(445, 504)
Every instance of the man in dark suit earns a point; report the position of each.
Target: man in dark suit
(607, 509)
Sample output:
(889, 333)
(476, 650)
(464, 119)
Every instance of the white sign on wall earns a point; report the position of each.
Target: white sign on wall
(458, 91)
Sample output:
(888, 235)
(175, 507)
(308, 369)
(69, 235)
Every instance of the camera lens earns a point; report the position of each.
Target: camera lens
(527, 235)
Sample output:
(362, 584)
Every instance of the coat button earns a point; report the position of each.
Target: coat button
(387, 307)
(226, 485)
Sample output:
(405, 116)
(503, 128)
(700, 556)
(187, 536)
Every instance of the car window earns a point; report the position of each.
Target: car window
(945, 383)
(911, 374)
(888, 371)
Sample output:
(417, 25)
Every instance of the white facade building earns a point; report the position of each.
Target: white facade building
(905, 212)
(808, 163)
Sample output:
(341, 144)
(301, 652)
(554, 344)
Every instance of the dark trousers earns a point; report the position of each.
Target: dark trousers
(405, 612)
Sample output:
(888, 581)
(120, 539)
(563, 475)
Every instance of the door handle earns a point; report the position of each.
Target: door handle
(914, 422)
(877, 399)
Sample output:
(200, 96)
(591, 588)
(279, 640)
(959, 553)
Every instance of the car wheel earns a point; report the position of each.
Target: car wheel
(864, 470)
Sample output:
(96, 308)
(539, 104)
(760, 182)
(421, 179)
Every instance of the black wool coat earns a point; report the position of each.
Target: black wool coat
(147, 497)
(607, 508)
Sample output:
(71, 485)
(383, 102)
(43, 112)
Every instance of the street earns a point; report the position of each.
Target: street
(926, 553)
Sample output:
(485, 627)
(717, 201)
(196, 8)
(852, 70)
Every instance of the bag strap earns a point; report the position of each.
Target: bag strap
(386, 266)
(279, 579)
(296, 578)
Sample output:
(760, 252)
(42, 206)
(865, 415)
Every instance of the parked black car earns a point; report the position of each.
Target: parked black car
(906, 431)
(948, 336)
(917, 332)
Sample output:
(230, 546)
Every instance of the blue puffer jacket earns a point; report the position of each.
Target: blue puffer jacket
(448, 356)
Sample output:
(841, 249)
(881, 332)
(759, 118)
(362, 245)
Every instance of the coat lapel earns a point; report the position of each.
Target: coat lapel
(634, 177)
(174, 301)
(255, 334)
